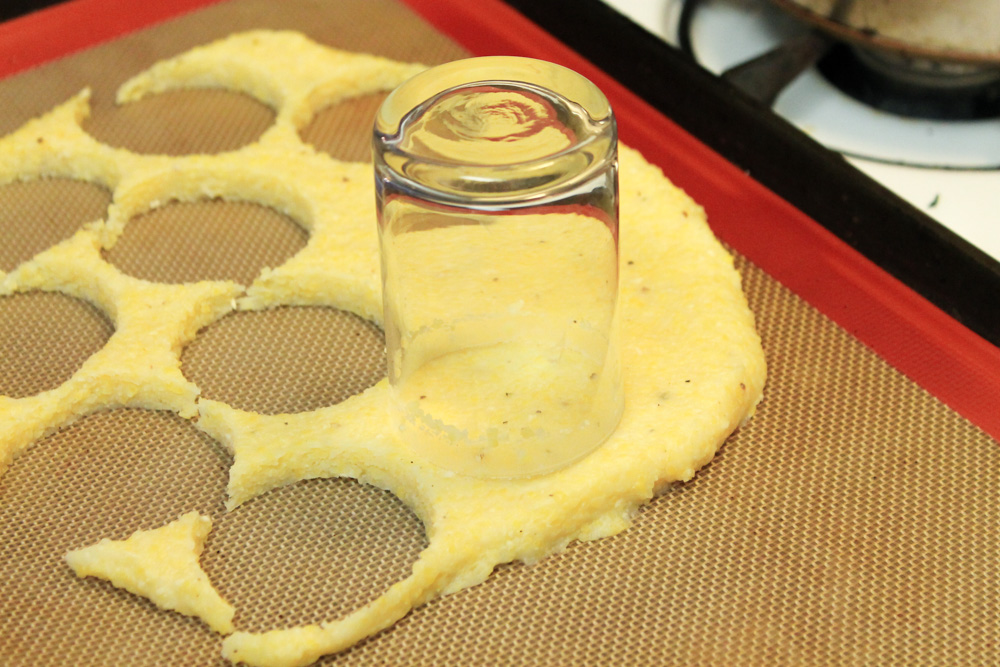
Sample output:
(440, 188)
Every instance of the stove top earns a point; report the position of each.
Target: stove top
(947, 168)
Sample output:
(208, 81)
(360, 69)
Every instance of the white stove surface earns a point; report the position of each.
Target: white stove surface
(949, 170)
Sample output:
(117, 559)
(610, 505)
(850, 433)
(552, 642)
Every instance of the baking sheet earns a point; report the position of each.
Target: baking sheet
(853, 521)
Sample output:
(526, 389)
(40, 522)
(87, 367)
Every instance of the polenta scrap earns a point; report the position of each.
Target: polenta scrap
(161, 565)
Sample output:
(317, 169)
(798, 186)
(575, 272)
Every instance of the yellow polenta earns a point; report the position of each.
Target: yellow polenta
(162, 565)
(692, 361)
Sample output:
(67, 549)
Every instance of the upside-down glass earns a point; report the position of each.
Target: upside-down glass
(497, 198)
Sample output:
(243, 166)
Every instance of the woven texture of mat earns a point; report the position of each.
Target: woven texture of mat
(854, 521)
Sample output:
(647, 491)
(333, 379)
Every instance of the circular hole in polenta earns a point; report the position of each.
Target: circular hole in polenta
(182, 122)
(105, 475)
(38, 214)
(285, 360)
(183, 242)
(344, 130)
(45, 338)
(312, 551)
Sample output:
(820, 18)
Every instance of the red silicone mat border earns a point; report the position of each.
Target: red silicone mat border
(63, 29)
(948, 360)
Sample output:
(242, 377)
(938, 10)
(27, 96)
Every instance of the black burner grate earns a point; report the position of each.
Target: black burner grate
(913, 87)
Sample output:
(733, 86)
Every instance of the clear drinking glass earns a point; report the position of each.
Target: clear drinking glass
(497, 198)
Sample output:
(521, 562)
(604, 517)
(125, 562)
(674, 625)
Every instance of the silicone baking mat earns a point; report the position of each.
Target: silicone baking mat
(854, 520)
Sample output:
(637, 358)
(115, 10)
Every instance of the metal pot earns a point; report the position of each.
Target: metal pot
(946, 31)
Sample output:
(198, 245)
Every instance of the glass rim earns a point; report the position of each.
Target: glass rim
(490, 70)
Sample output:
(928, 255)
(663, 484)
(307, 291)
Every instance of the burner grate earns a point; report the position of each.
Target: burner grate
(913, 87)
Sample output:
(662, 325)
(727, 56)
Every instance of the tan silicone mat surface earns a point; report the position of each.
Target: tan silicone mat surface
(854, 521)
